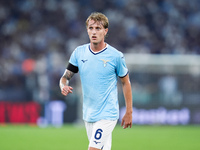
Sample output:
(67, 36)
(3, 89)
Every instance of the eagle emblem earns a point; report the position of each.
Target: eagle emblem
(105, 62)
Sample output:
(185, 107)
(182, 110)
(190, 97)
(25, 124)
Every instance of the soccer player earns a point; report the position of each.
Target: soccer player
(99, 65)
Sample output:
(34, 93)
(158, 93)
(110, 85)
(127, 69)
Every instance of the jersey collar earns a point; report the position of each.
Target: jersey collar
(95, 53)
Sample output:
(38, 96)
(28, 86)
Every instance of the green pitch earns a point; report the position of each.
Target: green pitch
(74, 138)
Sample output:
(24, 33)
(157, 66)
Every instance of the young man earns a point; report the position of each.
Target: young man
(99, 65)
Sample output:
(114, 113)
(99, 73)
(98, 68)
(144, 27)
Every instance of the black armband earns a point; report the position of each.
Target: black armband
(72, 68)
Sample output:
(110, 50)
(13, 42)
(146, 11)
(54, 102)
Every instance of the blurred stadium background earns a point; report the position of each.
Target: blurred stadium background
(161, 43)
(160, 40)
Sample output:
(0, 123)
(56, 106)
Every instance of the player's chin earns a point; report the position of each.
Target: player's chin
(94, 41)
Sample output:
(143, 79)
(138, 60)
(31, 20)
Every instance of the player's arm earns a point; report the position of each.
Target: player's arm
(64, 82)
(126, 86)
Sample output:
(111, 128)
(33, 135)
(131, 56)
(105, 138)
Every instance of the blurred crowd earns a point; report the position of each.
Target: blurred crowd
(37, 37)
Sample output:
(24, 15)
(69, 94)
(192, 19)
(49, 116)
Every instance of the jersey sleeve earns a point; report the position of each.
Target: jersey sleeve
(73, 58)
(121, 69)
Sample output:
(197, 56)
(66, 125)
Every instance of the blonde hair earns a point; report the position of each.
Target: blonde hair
(97, 16)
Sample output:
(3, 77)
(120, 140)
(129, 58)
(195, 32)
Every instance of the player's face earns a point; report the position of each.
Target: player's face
(96, 32)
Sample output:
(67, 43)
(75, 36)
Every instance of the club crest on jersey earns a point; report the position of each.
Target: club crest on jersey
(105, 62)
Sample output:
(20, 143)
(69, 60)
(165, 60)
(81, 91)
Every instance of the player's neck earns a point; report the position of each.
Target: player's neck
(96, 47)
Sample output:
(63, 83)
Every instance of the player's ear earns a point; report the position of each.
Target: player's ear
(106, 31)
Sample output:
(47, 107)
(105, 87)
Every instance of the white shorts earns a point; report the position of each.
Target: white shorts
(100, 133)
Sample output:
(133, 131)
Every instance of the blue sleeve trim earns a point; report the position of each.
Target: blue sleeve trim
(124, 75)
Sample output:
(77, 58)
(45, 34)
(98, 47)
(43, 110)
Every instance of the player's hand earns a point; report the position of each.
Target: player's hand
(66, 90)
(127, 120)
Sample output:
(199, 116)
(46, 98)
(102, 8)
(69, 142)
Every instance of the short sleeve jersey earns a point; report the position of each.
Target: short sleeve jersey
(98, 74)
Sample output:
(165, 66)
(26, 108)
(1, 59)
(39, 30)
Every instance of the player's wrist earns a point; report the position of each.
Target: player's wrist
(129, 111)
(62, 86)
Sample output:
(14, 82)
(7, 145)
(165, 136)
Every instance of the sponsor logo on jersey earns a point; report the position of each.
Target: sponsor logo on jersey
(84, 60)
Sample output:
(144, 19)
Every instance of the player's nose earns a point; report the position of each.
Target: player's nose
(93, 31)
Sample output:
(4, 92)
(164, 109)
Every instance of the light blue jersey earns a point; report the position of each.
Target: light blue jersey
(98, 73)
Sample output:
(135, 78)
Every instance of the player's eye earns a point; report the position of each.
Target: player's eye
(90, 28)
(98, 28)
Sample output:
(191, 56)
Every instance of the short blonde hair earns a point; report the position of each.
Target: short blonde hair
(97, 16)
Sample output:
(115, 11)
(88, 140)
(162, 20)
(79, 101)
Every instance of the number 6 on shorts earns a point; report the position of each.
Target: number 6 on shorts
(98, 134)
